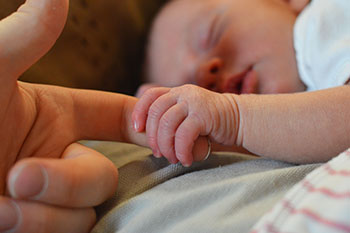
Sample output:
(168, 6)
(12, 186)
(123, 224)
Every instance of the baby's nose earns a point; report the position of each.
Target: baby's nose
(209, 74)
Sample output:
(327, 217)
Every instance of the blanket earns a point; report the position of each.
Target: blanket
(320, 203)
(229, 192)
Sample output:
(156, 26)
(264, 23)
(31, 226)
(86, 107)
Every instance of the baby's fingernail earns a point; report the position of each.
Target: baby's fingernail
(9, 214)
(29, 182)
(173, 160)
(186, 164)
(156, 154)
(136, 126)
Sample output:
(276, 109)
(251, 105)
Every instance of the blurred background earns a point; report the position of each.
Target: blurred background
(102, 45)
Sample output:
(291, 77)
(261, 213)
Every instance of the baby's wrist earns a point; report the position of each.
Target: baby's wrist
(233, 116)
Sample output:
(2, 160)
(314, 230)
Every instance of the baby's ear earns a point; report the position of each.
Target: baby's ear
(297, 5)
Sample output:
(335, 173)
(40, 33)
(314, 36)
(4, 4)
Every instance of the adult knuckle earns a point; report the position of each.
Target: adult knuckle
(91, 218)
(69, 192)
(44, 223)
(112, 180)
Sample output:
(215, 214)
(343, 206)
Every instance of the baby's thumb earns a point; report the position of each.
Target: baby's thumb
(26, 35)
(201, 149)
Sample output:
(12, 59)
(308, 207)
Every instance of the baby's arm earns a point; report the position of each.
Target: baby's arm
(301, 127)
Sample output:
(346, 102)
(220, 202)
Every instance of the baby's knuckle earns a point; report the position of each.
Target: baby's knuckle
(152, 142)
(149, 93)
(186, 88)
(181, 152)
(165, 123)
(189, 86)
(153, 112)
(168, 152)
(182, 135)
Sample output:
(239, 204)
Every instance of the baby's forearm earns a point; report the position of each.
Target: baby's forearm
(301, 127)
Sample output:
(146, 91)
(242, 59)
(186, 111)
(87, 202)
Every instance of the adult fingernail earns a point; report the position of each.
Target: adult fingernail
(30, 181)
(8, 215)
(136, 126)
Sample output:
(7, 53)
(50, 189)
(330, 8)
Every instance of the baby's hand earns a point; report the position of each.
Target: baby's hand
(175, 117)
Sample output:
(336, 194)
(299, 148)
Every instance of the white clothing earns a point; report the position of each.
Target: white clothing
(322, 44)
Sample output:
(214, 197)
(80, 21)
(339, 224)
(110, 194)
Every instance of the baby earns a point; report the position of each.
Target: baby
(274, 47)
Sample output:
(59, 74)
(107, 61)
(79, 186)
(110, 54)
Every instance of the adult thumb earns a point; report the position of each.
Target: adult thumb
(27, 34)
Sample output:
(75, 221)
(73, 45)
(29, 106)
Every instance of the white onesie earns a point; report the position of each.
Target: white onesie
(322, 44)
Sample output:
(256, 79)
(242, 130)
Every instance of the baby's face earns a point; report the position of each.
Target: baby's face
(236, 46)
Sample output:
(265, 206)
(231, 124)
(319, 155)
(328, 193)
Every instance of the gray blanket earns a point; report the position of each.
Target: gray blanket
(228, 192)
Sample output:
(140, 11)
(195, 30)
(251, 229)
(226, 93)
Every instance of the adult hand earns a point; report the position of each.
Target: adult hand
(57, 195)
(52, 181)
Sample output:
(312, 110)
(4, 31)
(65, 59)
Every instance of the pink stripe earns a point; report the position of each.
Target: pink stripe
(272, 229)
(332, 171)
(325, 191)
(269, 227)
(316, 217)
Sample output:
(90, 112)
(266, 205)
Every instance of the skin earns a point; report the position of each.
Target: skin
(39, 127)
(300, 127)
(211, 43)
(43, 170)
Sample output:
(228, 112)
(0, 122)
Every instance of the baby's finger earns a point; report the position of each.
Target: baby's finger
(168, 125)
(83, 178)
(29, 33)
(33, 217)
(141, 109)
(186, 134)
(143, 88)
(156, 111)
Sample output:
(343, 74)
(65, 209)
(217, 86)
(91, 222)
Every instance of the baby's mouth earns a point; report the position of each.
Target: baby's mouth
(245, 82)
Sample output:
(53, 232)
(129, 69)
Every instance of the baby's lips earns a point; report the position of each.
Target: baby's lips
(250, 83)
(242, 83)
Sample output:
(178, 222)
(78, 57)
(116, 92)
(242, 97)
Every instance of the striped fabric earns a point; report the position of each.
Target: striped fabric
(319, 203)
